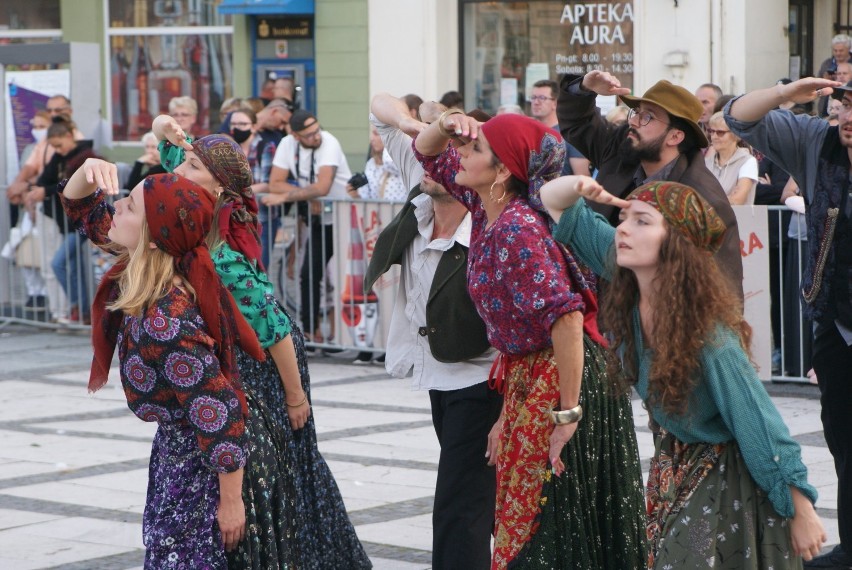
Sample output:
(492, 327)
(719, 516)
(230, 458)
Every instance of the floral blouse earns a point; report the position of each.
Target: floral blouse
(253, 292)
(168, 363)
(521, 280)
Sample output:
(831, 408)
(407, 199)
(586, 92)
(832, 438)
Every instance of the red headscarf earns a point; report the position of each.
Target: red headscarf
(179, 214)
(532, 152)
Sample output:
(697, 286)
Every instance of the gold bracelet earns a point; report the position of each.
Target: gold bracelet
(441, 129)
(302, 403)
(564, 417)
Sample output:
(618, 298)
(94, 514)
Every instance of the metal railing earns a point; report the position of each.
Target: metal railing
(326, 297)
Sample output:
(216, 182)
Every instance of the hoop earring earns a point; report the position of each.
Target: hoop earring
(491, 193)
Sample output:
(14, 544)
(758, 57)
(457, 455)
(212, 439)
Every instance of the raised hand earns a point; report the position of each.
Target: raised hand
(103, 174)
(807, 89)
(603, 83)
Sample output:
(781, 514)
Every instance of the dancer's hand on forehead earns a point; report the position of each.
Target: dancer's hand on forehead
(464, 128)
(102, 173)
(590, 189)
(176, 135)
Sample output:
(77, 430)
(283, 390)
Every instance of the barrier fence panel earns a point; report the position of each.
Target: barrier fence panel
(316, 260)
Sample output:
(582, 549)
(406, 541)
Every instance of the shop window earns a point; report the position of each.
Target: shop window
(508, 46)
(29, 21)
(147, 67)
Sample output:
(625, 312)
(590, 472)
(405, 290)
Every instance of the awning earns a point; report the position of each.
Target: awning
(270, 7)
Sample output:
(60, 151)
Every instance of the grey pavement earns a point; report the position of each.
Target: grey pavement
(73, 466)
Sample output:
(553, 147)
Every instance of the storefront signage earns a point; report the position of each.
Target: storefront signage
(600, 36)
(285, 28)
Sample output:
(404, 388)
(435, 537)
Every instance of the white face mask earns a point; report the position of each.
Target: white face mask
(38, 134)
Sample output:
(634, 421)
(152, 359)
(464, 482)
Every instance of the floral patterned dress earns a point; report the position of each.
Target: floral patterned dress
(522, 281)
(171, 376)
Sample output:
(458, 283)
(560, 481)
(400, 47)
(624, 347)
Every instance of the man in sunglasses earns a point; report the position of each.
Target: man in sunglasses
(315, 159)
(661, 140)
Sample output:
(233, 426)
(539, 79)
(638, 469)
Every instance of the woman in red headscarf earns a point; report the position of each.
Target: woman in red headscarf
(569, 487)
(727, 487)
(214, 458)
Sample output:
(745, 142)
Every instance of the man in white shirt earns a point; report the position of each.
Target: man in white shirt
(317, 162)
(436, 331)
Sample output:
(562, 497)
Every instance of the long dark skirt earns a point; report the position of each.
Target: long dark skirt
(589, 518)
(269, 494)
(706, 511)
(325, 535)
(180, 528)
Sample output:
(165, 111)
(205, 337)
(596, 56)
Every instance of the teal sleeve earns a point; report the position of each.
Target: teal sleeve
(253, 293)
(773, 457)
(171, 156)
(588, 235)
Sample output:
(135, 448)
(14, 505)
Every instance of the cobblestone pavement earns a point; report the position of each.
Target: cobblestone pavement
(73, 467)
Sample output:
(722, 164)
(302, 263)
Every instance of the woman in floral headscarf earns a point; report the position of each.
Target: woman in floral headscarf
(217, 163)
(569, 487)
(727, 487)
(216, 482)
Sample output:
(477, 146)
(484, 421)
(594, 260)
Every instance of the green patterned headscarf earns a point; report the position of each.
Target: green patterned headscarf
(685, 211)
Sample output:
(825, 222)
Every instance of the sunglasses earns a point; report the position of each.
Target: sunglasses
(717, 132)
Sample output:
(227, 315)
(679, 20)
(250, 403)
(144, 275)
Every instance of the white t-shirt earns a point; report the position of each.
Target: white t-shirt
(329, 153)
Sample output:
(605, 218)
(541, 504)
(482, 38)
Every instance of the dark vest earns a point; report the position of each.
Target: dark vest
(828, 275)
(453, 327)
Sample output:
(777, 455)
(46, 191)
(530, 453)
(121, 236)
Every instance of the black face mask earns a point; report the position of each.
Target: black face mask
(240, 135)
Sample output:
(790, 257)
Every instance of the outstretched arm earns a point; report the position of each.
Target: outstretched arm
(393, 112)
(753, 106)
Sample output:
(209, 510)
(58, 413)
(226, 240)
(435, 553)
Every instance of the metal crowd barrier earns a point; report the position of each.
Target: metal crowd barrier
(327, 298)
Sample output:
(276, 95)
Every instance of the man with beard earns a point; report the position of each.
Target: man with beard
(436, 330)
(315, 159)
(818, 157)
(662, 140)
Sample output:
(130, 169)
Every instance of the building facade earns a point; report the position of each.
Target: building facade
(340, 52)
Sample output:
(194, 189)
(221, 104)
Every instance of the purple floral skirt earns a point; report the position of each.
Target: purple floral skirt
(179, 527)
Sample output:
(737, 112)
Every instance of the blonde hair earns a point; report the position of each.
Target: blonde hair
(183, 103)
(149, 136)
(147, 277)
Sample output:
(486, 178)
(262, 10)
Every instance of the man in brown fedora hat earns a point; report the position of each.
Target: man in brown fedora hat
(662, 140)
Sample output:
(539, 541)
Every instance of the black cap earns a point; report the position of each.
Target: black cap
(299, 118)
(839, 92)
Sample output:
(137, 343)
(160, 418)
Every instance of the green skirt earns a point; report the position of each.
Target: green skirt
(592, 517)
(706, 511)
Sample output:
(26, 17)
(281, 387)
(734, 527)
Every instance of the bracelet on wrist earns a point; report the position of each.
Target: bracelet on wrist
(302, 403)
(565, 417)
(441, 129)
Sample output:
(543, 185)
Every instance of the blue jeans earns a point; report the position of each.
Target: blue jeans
(70, 265)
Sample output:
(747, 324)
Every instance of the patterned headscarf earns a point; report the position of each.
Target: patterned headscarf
(686, 211)
(179, 214)
(531, 151)
(238, 224)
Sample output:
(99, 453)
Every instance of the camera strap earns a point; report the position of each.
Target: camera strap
(311, 173)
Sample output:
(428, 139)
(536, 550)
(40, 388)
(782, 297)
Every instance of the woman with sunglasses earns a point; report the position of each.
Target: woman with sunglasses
(731, 162)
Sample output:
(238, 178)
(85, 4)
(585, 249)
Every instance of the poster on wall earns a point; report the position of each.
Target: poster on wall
(599, 36)
(25, 93)
(505, 40)
(754, 248)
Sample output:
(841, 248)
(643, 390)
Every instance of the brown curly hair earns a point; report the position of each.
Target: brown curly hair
(694, 297)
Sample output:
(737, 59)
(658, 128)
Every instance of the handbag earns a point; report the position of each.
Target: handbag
(28, 252)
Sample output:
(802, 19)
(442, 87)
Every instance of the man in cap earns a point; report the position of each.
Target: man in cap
(662, 140)
(316, 160)
(436, 331)
(818, 156)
